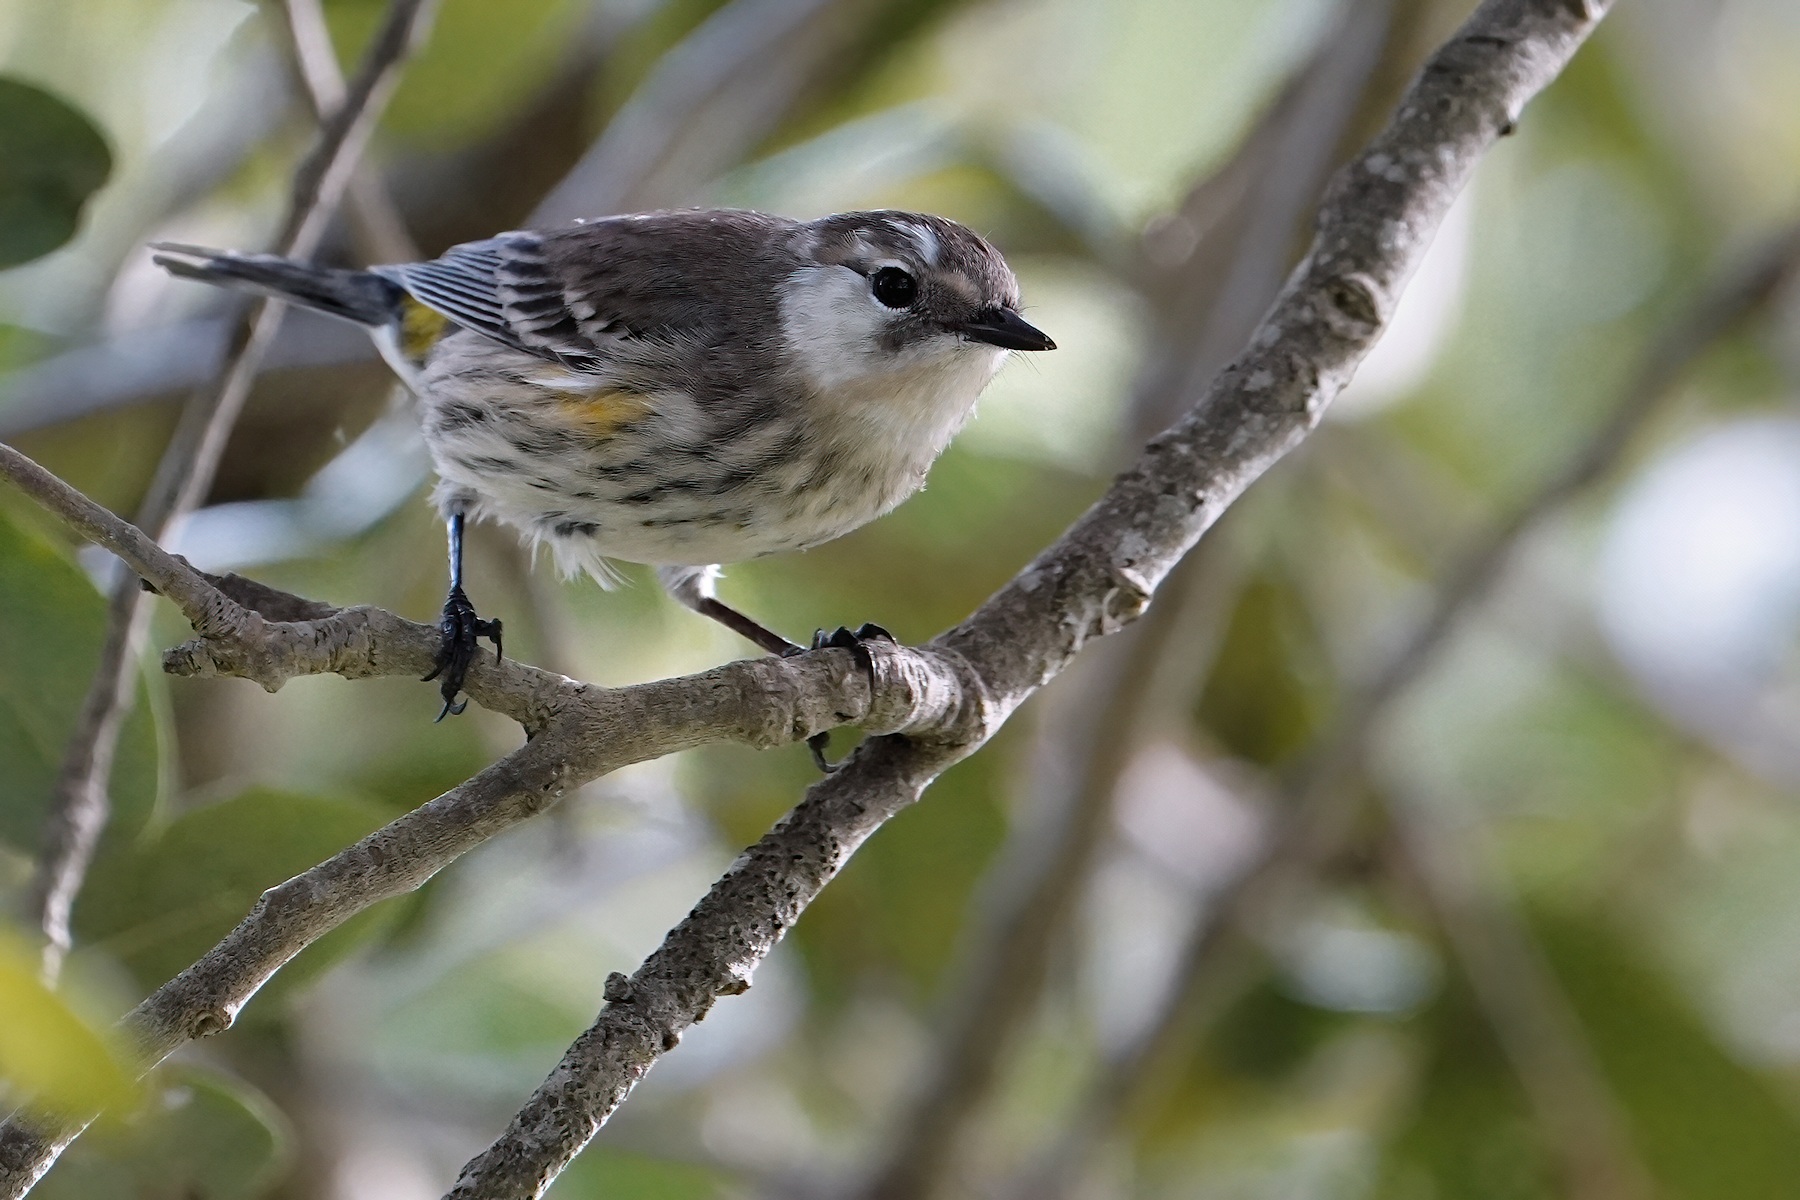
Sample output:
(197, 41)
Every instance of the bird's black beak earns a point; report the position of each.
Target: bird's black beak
(1004, 327)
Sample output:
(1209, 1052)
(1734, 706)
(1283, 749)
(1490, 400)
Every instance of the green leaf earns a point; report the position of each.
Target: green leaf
(481, 1029)
(1246, 1062)
(48, 1052)
(1267, 1035)
(1705, 1125)
(51, 160)
(161, 904)
(49, 643)
(206, 1137)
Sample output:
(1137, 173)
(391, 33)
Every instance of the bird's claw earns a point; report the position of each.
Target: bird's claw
(842, 638)
(463, 631)
(856, 642)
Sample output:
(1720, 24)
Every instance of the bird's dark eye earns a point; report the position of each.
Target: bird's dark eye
(894, 287)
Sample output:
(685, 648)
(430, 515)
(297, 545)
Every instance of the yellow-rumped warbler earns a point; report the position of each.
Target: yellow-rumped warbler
(681, 389)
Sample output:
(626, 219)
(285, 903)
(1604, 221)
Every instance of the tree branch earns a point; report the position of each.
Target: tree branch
(1373, 229)
(577, 732)
(79, 806)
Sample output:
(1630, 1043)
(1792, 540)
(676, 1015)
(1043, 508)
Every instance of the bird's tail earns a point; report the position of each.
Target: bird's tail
(360, 296)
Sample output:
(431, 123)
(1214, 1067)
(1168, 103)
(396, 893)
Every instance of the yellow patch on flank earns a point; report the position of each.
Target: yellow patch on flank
(420, 328)
(604, 410)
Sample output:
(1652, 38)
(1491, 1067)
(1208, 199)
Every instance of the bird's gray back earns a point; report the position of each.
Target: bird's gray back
(628, 298)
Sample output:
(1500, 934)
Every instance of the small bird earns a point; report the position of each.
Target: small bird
(680, 389)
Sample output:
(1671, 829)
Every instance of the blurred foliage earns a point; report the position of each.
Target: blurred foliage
(483, 61)
(201, 1136)
(898, 907)
(600, 1174)
(160, 903)
(54, 624)
(51, 160)
(1470, 1131)
(1641, 807)
(1708, 1127)
(1265, 699)
(46, 1050)
(1266, 1034)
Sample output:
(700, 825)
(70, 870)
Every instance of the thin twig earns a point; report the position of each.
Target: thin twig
(375, 219)
(719, 68)
(252, 631)
(1318, 803)
(80, 805)
(1524, 1004)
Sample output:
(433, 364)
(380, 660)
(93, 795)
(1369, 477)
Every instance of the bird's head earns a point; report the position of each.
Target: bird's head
(882, 292)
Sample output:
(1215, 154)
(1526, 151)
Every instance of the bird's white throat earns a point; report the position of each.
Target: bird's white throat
(911, 400)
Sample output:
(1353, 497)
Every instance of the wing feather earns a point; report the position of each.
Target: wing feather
(502, 288)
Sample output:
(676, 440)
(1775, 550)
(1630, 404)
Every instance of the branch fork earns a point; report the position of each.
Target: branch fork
(251, 631)
(928, 692)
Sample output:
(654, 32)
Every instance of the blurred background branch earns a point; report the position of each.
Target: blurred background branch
(1519, 995)
(376, 224)
(1319, 812)
(79, 807)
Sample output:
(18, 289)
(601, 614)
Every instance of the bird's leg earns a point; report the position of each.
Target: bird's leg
(692, 587)
(745, 627)
(462, 630)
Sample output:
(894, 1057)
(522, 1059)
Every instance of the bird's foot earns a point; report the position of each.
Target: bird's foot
(463, 631)
(856, 642)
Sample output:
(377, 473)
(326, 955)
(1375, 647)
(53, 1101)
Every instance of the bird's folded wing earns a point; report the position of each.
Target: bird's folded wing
(503, 288)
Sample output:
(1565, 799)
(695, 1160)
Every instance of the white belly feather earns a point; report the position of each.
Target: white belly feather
(512, 441)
